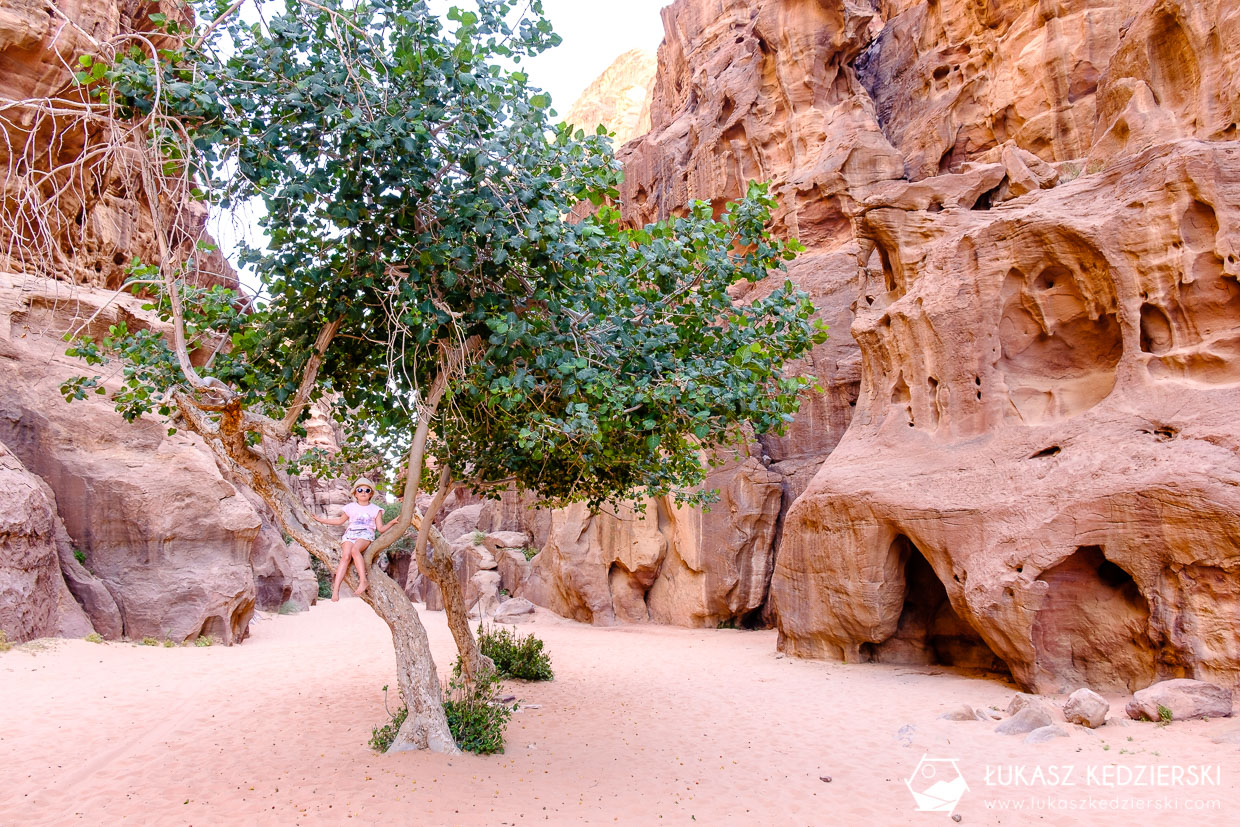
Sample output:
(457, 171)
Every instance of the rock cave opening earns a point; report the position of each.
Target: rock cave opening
(1092, 628)
(929, 630)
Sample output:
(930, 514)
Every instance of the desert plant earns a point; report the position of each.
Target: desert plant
(79, 555)
(93, 637)
(381, 737)
(529, 552)
(1164, 715)
(478, 537)
(514, 656)
(4, 641)
(418, 200)
(475, 719)
(168, 644)
(149, 641)
(323, 575)
(204, 640)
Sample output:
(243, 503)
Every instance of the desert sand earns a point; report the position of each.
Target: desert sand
(643, 725)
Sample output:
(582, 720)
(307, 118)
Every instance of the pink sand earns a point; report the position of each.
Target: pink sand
(643, 725)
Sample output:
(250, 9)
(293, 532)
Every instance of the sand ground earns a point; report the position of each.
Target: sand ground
(644, 725)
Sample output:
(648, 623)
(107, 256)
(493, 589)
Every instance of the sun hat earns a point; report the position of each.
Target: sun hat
(362, 481)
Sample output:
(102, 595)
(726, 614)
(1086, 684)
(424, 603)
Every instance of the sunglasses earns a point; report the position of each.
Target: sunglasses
(362, 491)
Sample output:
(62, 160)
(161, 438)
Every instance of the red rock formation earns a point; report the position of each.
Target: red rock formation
(1022, 222)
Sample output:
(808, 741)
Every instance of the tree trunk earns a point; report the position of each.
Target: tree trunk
(426, 727)
(440, 568)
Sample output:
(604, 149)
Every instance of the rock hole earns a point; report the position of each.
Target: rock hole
(1165, 433)
(941, 72)
(929, 631)
(118, 259)
(1046, 452)
(1155, 329)
(1199, 226)
(985, 200)
(1060, 345)
(726, 110)
(1092, 628)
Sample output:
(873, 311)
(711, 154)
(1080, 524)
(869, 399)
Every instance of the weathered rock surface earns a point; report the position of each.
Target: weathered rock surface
(168, 543)
(34, 600)
(671, 565)
(1185, 699)
(1021, 226)
(618, 99)
(1087, 708)
(96, 226)
(1060, 469)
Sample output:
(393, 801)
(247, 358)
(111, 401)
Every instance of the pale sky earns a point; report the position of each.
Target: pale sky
(594, 34)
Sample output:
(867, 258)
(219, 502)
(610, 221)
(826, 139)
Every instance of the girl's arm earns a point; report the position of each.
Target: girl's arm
(382, 526)
(340, 519)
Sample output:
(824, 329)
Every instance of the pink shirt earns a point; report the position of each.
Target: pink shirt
(362, 517)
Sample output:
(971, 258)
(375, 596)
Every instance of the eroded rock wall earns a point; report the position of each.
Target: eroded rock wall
(1021, 225)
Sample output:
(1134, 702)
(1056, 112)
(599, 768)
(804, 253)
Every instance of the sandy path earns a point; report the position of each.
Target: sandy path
(643, 725)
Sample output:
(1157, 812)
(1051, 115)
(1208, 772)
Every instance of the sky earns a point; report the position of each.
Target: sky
(593, 33)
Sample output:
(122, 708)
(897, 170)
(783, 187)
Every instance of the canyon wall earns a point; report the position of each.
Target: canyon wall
(118, 528)
(1022, 230)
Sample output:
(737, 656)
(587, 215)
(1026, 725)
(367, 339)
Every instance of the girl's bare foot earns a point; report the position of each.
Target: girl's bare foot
(361, 590)
(335, 597)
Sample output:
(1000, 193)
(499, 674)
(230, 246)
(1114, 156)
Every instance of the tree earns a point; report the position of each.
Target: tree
(425, 264)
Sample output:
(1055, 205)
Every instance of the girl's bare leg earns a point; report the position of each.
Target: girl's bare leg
(359, 563)
(341, 570)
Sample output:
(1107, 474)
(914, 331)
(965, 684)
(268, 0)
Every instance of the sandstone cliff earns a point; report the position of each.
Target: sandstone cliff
(1022, 230)
(618, 99)
(167, 547)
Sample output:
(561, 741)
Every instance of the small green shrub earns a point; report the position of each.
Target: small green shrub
(93, 637)
(168, 644)
(204, 640)
(514, 657)
(478, 537)
(1164, 714)
(4, 641)
(149, 641)
(381, 737)
(288, 607)
(529, 552)
(476, 721)
(79, 555)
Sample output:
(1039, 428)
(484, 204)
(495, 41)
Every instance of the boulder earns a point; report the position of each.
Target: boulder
(1184, 698)
(963, 713)
(34, 600)
(1023, 700)
(1026, 720)
(462, 522)
(513, 569)
(482, 594)
(1087, 708)
(513, 610)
